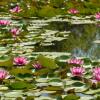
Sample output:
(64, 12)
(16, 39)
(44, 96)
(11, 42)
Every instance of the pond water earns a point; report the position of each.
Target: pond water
(54, 37)
(48, 35)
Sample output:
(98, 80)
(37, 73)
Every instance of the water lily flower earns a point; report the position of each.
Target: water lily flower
(37, 65)
(73, 11)
(3, 74)
(5, 22)
(76, 61)
(77, 71)
(15, 32)
(97, 16)
(96, 70)
(20, 61)
(16, 9)
(96, 73)
(97, 77)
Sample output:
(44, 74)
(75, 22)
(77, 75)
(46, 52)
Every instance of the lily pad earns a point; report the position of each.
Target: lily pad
(21, 85)
(47, 62)
(71, 97)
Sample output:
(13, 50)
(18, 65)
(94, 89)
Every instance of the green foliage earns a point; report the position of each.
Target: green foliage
(30, 98)
(57, 3)
(42, 71)
(47, 11)
(19, 98)
(17, 71)
(71, 97)
(21, 85)
(8, 62)
(47, 62)
(53, 88)
(98, 98)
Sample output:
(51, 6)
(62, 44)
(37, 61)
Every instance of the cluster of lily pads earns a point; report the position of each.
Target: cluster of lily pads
(45, 73)
(17, 9)
(59, 74)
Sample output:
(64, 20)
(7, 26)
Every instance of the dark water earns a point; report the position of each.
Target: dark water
(80, 41)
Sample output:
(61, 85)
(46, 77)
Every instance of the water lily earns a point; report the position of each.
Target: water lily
(96, 70)
(20, 61)
(97, 77)
(15, 32)
(16, 9)
(5, 22)
(73, 11)
(37, 65)
(77, 71)
(97, 16)
(3, 74)
(76, 61)
(96, 73)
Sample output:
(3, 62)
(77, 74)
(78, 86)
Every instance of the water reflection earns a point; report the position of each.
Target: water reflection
(80, 40)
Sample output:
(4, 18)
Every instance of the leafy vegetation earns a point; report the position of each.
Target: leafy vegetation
(66, 29)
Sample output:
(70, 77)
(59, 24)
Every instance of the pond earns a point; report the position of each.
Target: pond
(49, 58)
(79, 39)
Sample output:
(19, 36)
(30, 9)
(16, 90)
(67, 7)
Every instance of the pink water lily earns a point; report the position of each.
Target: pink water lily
(96, 70)
(15, 32)
(16, 9)
(76, 61)
(73, 11)
(97, 77)
(3, 74)
(97, 16)
(96, 73)
(37, 65)
(20, 61)
(77, 71)
(5, 22)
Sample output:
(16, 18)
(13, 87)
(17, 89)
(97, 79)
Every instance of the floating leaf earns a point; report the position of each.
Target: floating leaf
(47, 62)
(16, 71)
(78, 84)
(42, 71)
(71, 97)
(53, 88)
(6, 62)
(21, 85)
(93, 91)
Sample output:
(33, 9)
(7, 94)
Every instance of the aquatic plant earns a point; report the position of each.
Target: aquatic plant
(3, 74)
(96, 73)
(37, 65)
(16, 9)
(77, 71)
(73, 11)
(97, 15)
(5, 22)
(20, 61)
(15, 32)
(97, 77)
(76, 61)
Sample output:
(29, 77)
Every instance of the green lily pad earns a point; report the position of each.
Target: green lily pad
(16, 71)
(93, 91)
(7, 62)
(71, 97)
(47, 62)
(53, 88)
(21, 85)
